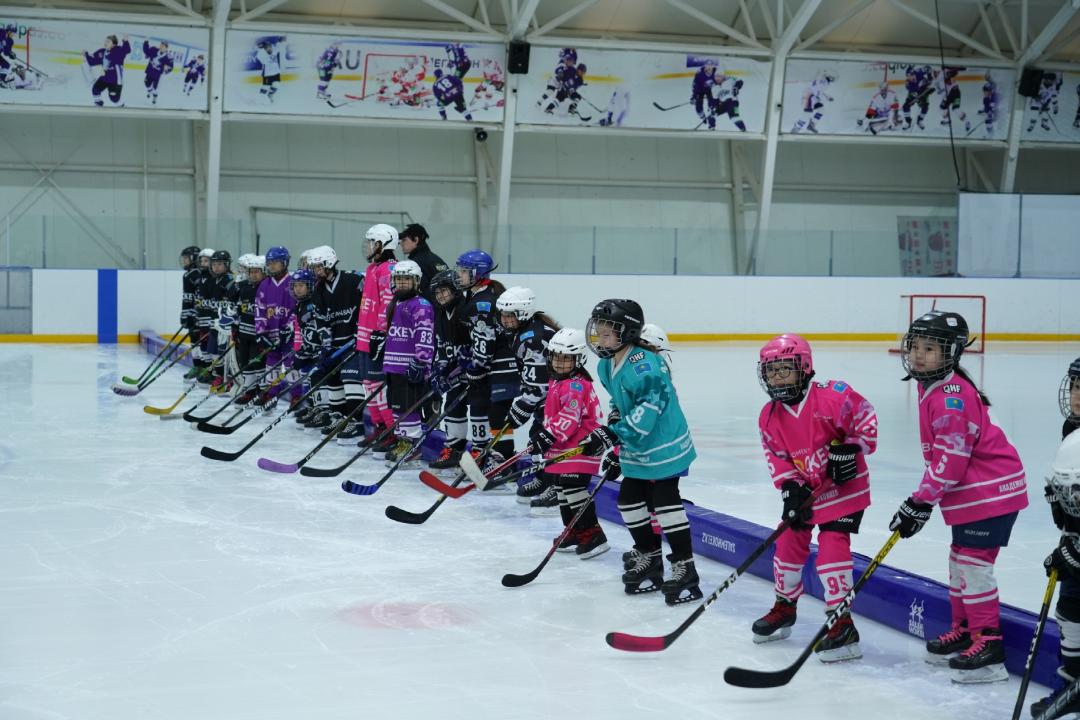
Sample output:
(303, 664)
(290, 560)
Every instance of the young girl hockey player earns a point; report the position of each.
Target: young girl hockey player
(1063, 494)
(216, 290)
(571, 413)
(410, 346)
(448, 299)
(475, 336)
(204, 318)
(302, 287)
(382, 239)
(976, 477)
(246, 342)
(655, 450)
(813, 433)
(274, 305)
(189, 262)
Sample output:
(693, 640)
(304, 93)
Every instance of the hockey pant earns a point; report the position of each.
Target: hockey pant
(1068, 617)
(372, 376)
(635, 496)
(973, 590)
(573, 490)
(345, 388)
(497, 414)
(274, 366)
(834, 565)
(114, 90)
(402, 395)
(246, 350)
(469, 420)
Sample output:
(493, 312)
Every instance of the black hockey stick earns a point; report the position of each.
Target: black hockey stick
(209, 452)
(661, 108)
(162, 412)
(158, 359)
(741, 677)
(410, 518)
(1030, 664)
(356, 489)
(511, 580)
(165, 413)
(147, 381)
(274, 466)
(190, 417)
(643, 643)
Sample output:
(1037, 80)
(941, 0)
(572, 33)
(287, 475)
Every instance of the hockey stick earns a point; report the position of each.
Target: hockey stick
(644, 643)
(274, 466)
(511, 580)
(189, 417)
(410, 518)
(203, 424)
(149, 368)
(133, 391)
(334, 472)
(1065, 697)
(436, 484)
(209, 452)
(661, 108)
(741, 677)
(1039, 626)
(356, 489)
(201, 374)
(533, 469)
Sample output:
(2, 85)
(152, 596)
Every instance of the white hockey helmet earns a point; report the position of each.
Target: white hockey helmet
(655, 336)
(568, 341)
(258, 262)
(323, 255)
(520, 301)
(384, 234)
(305, 258)
(1064, 477)
(407, 268)
(207, 253)
(244, 261)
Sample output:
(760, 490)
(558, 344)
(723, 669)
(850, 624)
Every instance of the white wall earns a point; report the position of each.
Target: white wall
(65, 301)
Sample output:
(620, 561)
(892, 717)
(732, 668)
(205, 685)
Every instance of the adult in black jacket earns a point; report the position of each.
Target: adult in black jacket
(414, 243)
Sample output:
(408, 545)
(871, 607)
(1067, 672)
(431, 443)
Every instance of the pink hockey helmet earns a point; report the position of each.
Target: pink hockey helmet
(786, 348)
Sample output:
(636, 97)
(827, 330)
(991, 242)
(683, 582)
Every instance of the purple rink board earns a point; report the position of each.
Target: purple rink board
(910, 603)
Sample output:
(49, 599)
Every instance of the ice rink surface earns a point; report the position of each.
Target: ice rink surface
(143, 581)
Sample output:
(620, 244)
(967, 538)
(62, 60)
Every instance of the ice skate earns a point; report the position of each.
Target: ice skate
(983, 662)
(531, 489)
(948, 644)
(547, 503)
(840, 643)
(591, 542)
(1070, 711)
(775, 624)
(570, 542)
(403, 448)
(330, 422)
(448, 460)
(645, 575)
(381, 448)
(683, 584)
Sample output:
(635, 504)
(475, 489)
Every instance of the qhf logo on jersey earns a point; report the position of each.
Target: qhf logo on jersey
(915, 619)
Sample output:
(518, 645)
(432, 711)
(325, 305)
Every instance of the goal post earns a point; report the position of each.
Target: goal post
(971, 307)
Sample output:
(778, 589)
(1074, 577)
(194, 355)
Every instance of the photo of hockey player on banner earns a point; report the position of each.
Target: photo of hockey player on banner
(1053, 114)
(319, 75)
(585, 87)
(898, 99)
(46, 62)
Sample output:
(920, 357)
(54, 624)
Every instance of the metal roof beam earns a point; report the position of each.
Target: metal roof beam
(851, 13)
(103, 13)
(1009, 34)
(955, 34)
(259, 11)
(989, 28)
(714, 23)
(521, 22)
(744, 12)
(564, 18)
(180, 9)
(462, 18)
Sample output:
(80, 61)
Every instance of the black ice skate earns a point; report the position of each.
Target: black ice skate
(246, 396)
(352, 430)
(948, 644)
(1070, 710)
(682, 586)
(447, 460)
(840, 643)
(331, 422)
(775, 624)
(591, 542)
(570, 542)
(983, 662)
(645, 575)
(547, 503)
(381, 448)
(531, 489)
(403, 448)
(318, 419)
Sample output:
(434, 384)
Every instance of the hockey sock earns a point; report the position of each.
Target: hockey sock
(576, 490)
(564, 506)
(336, 395)
(672, 517)
(456, 422)
(409, 427)
(1067, 614)
(978, 586)
(956, 580)
(834, 565)
(635, 514)
(478, 430)
(792, 550)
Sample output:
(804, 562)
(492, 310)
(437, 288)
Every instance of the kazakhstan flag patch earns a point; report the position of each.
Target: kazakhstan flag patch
(954, 403)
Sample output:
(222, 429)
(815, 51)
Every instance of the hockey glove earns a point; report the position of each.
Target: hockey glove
(599, 440)
(911, 517)
(1065, 558)
(285, 338)
(610, 467)
(415, 372)
(613, 417)
(265, 342)
(375, 345)
(541, 441)
(794, 496)
(476, 373)
(1055, 508)
(842, 466)
(518, 416)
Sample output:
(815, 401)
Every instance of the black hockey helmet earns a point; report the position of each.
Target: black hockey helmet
(445, 279)
(623, 316)
(191, 254)
(949, 330)
(1065, 392)
(221, 256)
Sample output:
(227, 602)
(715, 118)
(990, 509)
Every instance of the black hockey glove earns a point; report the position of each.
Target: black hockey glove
(610, 468)
(1065, 558)
(375, 345)
(599, 440)
(1055, 508)
(441, 384)
(613, 417)
(415, 372)
(476, 373)
(842, 466)
(795, 496)
(265, 342)
(517, 416)
(541, 441)
(911, 517)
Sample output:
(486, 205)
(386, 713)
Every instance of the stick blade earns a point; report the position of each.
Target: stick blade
(404, 516)
(636, 643)
(209, 452)
(308, 471)
(741, 677)
(158, 411)
(129, 381)
(168, 417)
(511, 580)
(472, 470)
(273, 466)
(433, 482)
(125, 390)
(356, 489)
(216, 429)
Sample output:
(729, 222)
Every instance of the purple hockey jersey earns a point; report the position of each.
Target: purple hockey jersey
(274, 306)
(111, 62)
(411, 334)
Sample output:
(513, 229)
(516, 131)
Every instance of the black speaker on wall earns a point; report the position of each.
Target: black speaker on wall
(518, 61)
(1030, 80)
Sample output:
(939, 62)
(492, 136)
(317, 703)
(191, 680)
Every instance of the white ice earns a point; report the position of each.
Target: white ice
(143, 581)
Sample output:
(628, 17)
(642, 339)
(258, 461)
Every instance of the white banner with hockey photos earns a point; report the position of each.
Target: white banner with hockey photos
(307, 74)
(55, 62)
(609, 88)
(896, 99)
(1053, 115)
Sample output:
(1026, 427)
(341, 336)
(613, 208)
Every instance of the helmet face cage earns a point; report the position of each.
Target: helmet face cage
(593, 331)
(405, 273)
(567, 342)
(579, 362)
(792, 364)
(1065, 395)
(305, 279)
(470, 277)
(1066, 488)
(949, 346)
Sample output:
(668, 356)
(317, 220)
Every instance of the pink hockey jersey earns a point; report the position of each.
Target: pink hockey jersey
(796, 440)
(378, 292)
(571, 411)
(972, 471)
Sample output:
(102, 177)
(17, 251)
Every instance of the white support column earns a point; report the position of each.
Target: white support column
(506, 163)
(521, 22)
(217, 87)
(1031, 52)
(772, 125)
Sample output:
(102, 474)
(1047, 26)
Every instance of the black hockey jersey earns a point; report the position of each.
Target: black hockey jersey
(188, 314)
(311, 346)
(338, 305)
(476, 322)
(244, 302)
